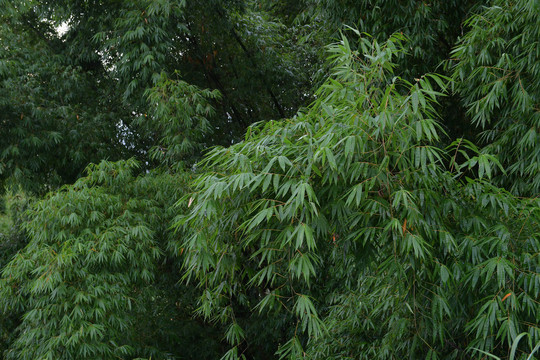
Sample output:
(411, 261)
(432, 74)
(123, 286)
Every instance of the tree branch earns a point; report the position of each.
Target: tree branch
(252, 60)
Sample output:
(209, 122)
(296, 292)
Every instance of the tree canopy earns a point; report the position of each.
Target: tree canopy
(265, 179)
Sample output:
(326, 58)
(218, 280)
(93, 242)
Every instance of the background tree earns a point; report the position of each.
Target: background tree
(54, 120)
(497, 70)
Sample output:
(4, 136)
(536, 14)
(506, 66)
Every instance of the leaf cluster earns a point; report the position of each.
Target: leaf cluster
(497, 65)
(349, 222)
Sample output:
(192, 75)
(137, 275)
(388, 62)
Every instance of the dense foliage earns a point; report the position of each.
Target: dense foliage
(211, 179)
(498, 70)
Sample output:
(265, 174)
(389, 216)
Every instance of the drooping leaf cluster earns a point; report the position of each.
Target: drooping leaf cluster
(95, 268)
(349, 222)
(12, 239)
(180, 118)
(497, 68)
